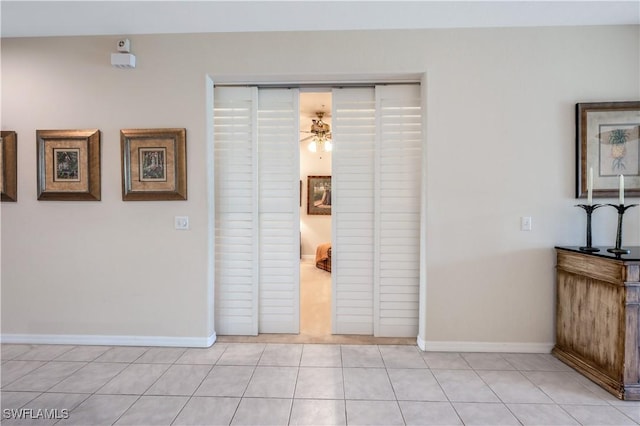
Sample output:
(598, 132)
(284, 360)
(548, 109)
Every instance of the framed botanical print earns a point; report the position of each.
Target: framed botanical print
(608, 142)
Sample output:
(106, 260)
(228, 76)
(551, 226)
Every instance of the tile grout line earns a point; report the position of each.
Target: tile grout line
(89, 395)
(553, 401)
(549, 396)
(393, 389)
(95, 393)
(45, 362)
(344, 386)
(295, 386)
(201, 382)
(148, 387)
(446, 395)
(235, 412)
(504, 404)
(104, 384)
(623, 413)
(47, 391)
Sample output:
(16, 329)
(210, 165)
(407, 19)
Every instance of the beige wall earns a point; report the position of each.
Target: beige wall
(500, 142)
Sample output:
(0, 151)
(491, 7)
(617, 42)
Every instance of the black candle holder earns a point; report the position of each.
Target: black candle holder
(589, 209)
(618, 248)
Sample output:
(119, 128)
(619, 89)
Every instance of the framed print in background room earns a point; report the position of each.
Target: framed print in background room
(318, 195)
(8, 165)
(154, 164)
(608, 141)
(68, 165)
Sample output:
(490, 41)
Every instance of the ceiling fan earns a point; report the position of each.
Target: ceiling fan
(320, 135)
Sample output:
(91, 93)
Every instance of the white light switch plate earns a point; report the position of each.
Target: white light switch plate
(525, 223)
(182, 223)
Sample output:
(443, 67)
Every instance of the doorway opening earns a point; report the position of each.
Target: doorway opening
(377, 209)
(315, 213)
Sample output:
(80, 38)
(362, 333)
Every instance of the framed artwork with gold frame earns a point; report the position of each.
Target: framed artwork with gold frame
(318, 195)
(608, 142)
(154, 164)
(68, 165)
(8, 165)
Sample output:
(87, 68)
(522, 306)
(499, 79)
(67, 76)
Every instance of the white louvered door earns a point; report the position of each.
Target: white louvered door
(397, 219)
(353, 169)
(236, 201)
(257, 210)
(376, 210)
(279, 211)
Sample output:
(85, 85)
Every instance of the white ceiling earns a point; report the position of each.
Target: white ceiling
(66, 18)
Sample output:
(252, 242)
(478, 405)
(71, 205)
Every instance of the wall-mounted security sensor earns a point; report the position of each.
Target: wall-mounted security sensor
(124, 46)
(123, 60)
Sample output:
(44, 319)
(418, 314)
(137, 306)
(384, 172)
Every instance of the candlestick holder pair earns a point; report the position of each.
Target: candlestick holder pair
(589, 209)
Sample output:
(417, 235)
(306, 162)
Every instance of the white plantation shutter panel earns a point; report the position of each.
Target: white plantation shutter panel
(353, 130)
(397, 204)
(236, 234)
(279, 211)
(376, 210)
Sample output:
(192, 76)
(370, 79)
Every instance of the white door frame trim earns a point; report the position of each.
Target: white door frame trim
(310, 80)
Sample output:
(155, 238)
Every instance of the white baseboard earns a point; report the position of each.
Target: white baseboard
(516, 347)
(108, 340)
(205, 342)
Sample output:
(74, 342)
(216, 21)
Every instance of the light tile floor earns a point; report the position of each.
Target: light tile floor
(297, 384)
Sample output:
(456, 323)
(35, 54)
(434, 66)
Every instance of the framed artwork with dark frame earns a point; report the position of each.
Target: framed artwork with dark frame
(608, 141)
(154, 164)
(319, 195)
(68, 165)
(8, 165)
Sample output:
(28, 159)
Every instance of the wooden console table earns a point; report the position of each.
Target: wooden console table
(598, 317)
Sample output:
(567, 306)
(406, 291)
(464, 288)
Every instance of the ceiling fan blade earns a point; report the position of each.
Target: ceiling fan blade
(307, 138)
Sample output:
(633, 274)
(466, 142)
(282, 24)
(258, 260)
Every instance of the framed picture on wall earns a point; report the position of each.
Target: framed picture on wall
(608, 142)
(68, 165)
(8, 165)
(319, 195)
(154, 164)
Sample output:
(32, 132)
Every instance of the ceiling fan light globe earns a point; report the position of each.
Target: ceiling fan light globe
(312, 146)
(328, 146)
